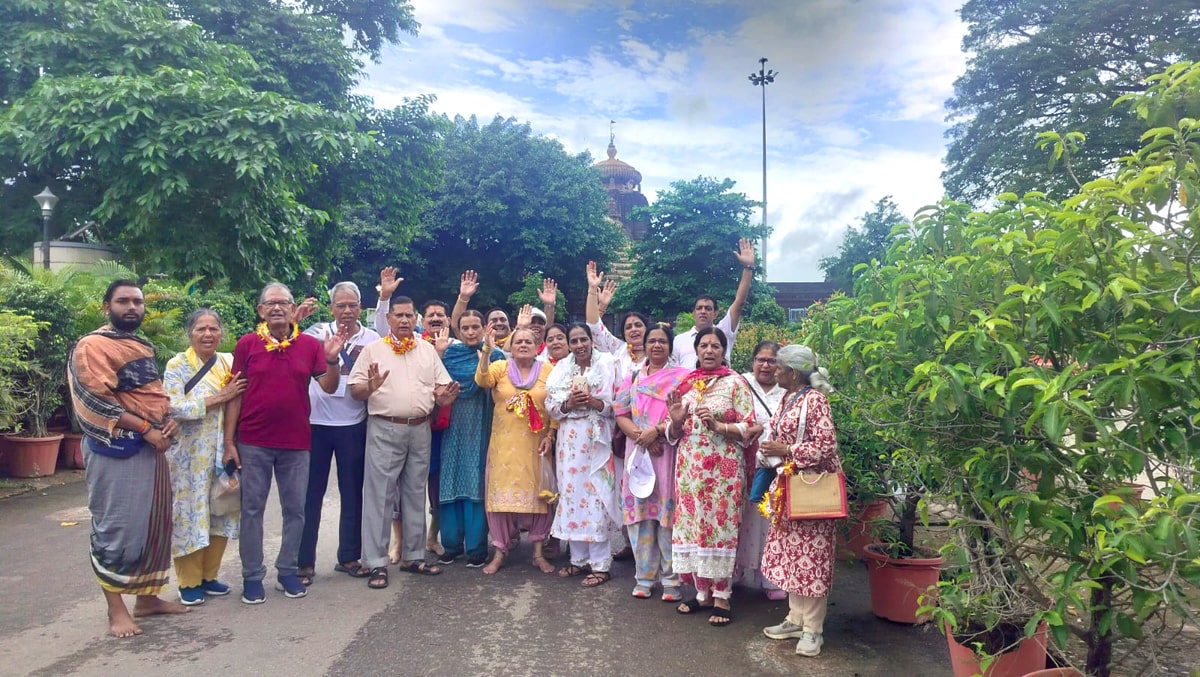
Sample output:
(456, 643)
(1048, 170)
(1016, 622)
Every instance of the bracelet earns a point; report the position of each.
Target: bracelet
(749, 267)
(331, 363)
(463, 300)
(145, 427)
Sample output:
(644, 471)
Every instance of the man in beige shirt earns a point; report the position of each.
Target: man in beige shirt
(402, 379)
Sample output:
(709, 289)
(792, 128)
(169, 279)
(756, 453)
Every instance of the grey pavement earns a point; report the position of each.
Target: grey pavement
(517, 622)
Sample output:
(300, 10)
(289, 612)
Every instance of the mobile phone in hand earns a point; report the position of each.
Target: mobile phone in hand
(230, 467)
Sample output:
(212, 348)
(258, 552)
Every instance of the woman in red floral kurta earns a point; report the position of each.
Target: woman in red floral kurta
(799, 554)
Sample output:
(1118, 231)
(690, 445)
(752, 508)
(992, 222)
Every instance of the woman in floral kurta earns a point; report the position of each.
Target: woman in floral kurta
(588, 505)
(799, 554)
(712, 418)
(198, 537)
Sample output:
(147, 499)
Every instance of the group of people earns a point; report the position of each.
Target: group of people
(569, 434)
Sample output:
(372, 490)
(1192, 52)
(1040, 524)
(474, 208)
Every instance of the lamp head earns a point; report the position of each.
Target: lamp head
(46, 200)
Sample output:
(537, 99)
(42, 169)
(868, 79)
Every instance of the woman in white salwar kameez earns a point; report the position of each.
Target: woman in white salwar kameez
(579, 395)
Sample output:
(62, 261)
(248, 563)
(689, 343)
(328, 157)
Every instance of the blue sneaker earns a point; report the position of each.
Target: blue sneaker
(192, 596)
(214, 588)
(253, 592)
(291, 586)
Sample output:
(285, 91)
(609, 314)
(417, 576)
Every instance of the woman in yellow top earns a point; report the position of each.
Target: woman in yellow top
(521, 439)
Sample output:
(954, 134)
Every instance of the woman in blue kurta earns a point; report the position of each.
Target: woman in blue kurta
(464, 447)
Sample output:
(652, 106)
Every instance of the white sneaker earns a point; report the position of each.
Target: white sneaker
(785, 630)
(809, 644)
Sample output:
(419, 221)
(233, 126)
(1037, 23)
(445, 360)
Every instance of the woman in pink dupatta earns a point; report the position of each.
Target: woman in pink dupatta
(641, 409)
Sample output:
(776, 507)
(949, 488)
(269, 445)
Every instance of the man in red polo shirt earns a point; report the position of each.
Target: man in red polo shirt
(267, 431)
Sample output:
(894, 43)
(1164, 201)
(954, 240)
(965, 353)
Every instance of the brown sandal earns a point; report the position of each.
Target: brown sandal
(571, 571)
(596, 578)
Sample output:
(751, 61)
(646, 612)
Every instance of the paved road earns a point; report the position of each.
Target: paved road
(518, 622)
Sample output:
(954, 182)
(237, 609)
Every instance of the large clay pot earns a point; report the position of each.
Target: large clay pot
(1029, 656)
(852, 543)
(896, 584)
(70, 453)
(1056, 672)
(32, 456)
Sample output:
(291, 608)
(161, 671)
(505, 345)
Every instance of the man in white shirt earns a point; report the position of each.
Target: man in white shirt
(339, 433)
(705, 310)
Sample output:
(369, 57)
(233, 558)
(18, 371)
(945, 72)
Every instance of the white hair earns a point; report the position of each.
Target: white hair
(344, 287)
(805, 362)
(271, 286)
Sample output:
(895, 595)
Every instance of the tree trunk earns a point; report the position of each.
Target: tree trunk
(1100, 644)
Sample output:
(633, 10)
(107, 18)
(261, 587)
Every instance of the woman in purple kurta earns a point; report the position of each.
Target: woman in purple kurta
(641, 409)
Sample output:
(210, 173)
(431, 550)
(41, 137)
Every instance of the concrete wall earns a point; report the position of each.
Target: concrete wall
(81, 255)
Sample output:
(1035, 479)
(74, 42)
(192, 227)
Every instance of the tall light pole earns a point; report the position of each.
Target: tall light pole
(761, 79)
(46, 200)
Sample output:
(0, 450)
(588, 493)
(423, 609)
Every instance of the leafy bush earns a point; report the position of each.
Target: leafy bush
(18, 334)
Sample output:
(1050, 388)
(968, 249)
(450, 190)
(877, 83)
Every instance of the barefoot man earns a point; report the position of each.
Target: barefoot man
(125, 416)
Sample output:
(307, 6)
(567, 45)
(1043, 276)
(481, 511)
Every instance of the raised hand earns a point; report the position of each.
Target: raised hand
(388, 282)
(745, 253)
(549, 292)
(306, 308)
(442, 340)
(468, 284)
(525, 317)
(374, 378)
(489, 341)
(606, 295)
(675, 408)
(594, 276)
(335, 343)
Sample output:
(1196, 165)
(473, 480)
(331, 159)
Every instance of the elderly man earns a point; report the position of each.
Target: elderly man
(401, 378)
(705, 310)
(124, 412)
(339, 431)
(267, 431)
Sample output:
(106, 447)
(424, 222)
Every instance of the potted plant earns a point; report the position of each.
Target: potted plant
(865, 457)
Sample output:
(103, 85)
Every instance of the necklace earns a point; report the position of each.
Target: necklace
(273, 344)
(400, 346)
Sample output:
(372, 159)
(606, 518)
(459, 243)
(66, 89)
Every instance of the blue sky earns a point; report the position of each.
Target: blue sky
(856, 112)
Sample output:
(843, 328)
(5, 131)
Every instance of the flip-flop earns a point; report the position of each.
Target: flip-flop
(692, 605)
(718, 612)
(421, 568)
(354, 569)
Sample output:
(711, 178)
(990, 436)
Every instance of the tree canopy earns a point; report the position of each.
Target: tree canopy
(1055, 65)
(862, 244)
(511, 203)
(194, 155)
(689, 250)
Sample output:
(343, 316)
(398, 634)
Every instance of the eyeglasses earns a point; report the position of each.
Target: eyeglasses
(276, 304)
(769, 361)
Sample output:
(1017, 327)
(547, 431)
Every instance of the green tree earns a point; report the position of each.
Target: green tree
(862, 244)
(1055, 65)
(689, 250)
(511, 203)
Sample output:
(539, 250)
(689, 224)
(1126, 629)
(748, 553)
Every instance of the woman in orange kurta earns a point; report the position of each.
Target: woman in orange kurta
(520, 441)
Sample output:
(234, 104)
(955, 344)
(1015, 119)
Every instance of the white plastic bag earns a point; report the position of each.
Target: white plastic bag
(226, 495)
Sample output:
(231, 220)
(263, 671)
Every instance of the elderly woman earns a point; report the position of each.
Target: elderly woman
(464, 446)
(641, 410)
(520, 441)
(579, 395)
(199, 384)
(753, 534)
(556, 344)
(799, 554)
(712, 421)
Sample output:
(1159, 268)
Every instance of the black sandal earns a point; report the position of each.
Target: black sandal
(420, 568)
(596, 578)
(378, 579)
(722, 613)
(354, 569)
(692, 605)
(571, 571)
(306, 577)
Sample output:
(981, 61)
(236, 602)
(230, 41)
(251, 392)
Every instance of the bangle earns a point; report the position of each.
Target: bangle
(145, 427)
(331, 363)
(749, 267)
(463, 300)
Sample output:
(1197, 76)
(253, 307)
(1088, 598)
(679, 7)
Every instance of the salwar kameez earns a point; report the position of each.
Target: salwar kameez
(464, 446)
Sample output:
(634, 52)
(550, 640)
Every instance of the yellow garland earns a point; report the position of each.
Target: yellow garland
(771, 506)
(700, 387)
(632, 352)
(271, 343)
(403, 346)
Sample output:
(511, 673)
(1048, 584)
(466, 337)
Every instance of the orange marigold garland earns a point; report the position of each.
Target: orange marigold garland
(273, 344)
(402, 346)
(771, 506)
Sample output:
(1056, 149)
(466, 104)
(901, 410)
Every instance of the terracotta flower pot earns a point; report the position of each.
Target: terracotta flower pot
(1029, 656)
(896, 584)
(32, 456)
(852, 544)
(1056, 672)
(70, 454)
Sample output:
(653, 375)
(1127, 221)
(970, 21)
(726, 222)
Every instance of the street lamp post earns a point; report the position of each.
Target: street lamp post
(761, 79)
(46, 200)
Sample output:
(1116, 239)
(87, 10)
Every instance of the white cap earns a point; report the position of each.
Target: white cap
(537, 312)
(641, 472)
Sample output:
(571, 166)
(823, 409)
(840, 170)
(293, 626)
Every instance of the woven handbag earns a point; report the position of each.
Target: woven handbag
(815, 496)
